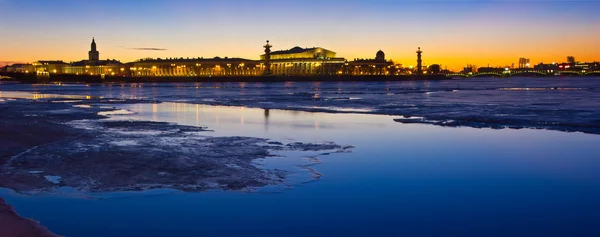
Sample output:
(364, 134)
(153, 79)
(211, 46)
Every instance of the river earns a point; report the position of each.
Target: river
(399, 180)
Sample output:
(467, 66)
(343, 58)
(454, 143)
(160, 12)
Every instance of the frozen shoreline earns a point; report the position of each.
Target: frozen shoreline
(61, 145)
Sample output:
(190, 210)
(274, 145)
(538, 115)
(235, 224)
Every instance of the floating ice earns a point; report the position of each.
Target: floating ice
(82, 106)
(66, 101)
(125, 143)
(53, 179)
(115, 112)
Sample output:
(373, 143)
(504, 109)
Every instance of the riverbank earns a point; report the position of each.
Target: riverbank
(33, 78)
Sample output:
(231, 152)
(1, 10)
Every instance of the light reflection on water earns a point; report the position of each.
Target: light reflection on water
(267, 123)
(404, 179)
(530, 148)
(38, 96)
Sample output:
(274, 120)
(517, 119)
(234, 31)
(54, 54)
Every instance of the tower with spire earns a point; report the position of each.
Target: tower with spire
(94, 55)
(419, 62)
(268, 58)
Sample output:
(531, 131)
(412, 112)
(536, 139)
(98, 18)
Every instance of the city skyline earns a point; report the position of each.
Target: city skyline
(451, 33)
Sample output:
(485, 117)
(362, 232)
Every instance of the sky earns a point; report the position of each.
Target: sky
(453, 33)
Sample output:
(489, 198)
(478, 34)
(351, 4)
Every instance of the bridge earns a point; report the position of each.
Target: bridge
(525, 72)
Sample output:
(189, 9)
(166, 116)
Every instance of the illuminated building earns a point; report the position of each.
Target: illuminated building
(299, 61)
(376, 66)
(581, 66)
(588, 65)
(296, 61)
(54, 67)
(195, 67)
(95, 66)
(20, 68)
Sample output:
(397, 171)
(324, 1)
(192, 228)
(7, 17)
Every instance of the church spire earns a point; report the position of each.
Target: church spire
(94, 55)
(93, 44)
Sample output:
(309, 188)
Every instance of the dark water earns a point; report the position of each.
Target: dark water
(401, 180)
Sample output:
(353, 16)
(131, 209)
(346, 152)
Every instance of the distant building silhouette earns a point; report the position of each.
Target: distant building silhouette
(524, 62)
(491, 69)
(93, 65)
(376, 66)
(380, 57)
(94, 55)
(419, 62)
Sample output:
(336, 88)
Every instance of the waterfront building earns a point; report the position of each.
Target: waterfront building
(296, 61)
(588, 65)
(377, 66)
(491, 70)
(94, 66)
(545, 66)
(195, 67)
(470, 68)
(54, 67)
(100, 67)
(20, 68)
(299, 61)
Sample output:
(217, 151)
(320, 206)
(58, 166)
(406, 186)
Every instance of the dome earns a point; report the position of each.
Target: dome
(380, 56)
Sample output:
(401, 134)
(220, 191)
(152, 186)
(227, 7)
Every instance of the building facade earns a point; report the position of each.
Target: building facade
(376, 66)
(20, 68)
(94, 66)
(195, 67)
(299, 61)
(296, 61)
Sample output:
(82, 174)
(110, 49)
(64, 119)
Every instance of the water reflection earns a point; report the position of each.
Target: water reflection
(38, 96)
(524, 150)
(420, 175)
